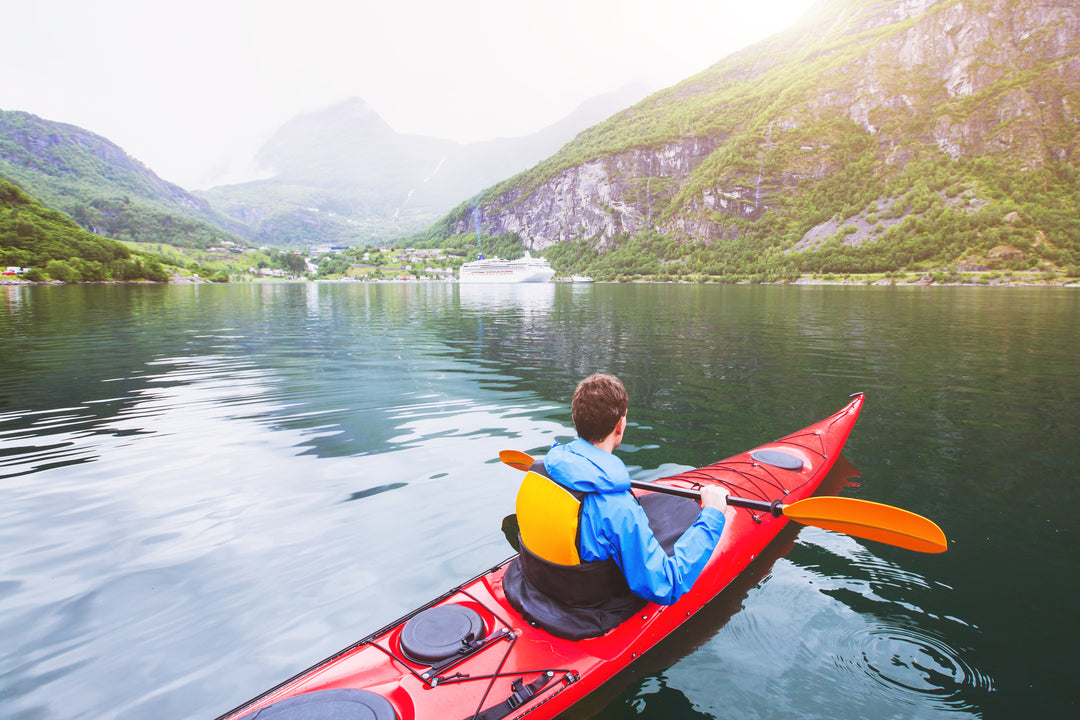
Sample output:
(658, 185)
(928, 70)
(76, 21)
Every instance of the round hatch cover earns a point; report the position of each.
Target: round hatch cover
(341, 704)
(440, 632)
(777, 458)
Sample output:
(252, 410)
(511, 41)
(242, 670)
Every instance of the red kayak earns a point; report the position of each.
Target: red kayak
(468, 654)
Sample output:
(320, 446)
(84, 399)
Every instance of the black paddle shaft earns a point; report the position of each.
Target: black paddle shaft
(776, 509)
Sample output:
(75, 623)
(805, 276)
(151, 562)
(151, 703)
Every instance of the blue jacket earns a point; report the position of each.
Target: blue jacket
(613, 524)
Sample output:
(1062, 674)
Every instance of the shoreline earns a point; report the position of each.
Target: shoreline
(851, 281)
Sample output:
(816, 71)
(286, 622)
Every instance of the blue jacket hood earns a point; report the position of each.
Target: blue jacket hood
(582, 466)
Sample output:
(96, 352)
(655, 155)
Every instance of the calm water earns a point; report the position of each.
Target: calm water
(205, 489)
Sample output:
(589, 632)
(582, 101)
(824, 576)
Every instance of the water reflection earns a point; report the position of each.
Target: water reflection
(525, 300)
(361, 494)
(14, 296)
(883, 635)
(653, 697)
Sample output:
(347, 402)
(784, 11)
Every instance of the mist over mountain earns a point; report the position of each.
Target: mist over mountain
(344, 175)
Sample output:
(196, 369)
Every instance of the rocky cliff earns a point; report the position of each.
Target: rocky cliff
(857, 86)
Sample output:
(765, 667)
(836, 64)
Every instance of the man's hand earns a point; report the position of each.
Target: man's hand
(714, 496)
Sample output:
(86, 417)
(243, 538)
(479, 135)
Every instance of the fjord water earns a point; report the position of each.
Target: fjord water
(205, 489)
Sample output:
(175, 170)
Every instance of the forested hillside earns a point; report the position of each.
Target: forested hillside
(96, 183)
(870, 137)
(55, 248)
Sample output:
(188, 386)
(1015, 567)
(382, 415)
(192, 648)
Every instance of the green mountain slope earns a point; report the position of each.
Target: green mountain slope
(870, 136)
(55, 248)
(95, 182)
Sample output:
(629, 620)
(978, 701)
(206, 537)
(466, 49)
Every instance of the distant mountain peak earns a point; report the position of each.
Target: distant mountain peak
(342, 173)
(313, 139)
(352, 111)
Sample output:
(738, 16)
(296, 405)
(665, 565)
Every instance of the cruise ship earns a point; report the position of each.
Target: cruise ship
(493, 270)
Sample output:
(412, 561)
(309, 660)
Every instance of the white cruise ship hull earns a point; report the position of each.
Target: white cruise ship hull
(525, 270)
(507, 276)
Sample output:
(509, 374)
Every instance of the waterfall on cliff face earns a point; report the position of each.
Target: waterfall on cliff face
(404, 202)
(761, 169)
(648, 194)
(426, 180)
(477, 216)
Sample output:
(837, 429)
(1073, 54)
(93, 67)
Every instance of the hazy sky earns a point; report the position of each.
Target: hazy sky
(193, 88)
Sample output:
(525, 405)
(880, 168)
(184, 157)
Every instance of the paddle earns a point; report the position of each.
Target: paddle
(859, 518)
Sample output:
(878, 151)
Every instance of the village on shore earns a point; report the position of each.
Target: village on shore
(420, 265)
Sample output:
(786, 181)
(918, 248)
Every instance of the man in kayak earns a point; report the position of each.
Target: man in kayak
(590, 555)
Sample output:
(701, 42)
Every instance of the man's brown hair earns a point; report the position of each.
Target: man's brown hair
(599, 402)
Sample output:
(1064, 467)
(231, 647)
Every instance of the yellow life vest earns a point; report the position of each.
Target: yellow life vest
(548, 583)
(548, 515)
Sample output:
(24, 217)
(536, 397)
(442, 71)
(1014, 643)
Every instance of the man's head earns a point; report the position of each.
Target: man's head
(600, 401)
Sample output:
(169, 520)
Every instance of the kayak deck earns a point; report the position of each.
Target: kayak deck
(498, 665)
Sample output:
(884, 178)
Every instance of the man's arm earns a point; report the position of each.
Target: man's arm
(617, 527)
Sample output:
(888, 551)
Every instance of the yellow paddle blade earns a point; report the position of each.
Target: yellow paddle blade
(516, 459)
(870, 520)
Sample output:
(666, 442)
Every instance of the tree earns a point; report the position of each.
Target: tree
(293, 263)
(60, 270)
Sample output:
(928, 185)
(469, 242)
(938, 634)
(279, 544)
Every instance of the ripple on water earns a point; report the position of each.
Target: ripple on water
(907, 663)
(889, 639)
